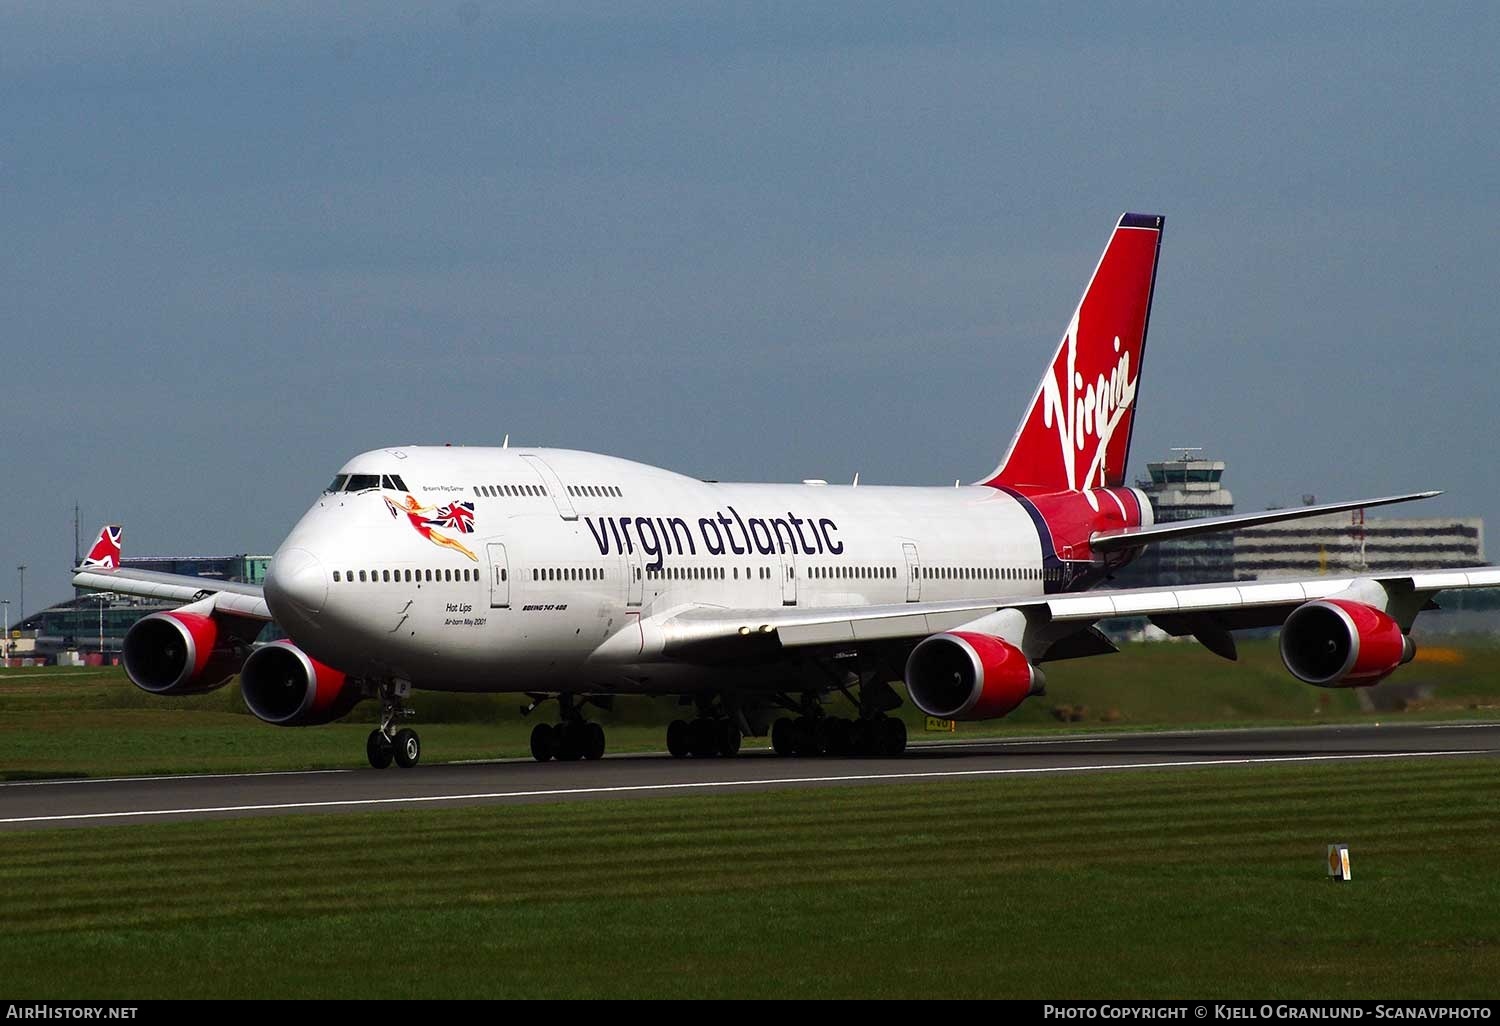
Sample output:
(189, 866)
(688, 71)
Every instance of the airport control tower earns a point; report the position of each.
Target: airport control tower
(1184, 488)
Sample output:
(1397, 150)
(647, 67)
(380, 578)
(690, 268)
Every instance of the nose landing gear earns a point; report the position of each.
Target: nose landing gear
(386, 744)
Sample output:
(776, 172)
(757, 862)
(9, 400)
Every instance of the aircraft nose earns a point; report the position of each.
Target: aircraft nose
(296, 580)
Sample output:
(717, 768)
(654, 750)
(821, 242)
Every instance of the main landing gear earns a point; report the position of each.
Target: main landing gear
(386, 744)
(703, 737)
(573, 739)
(714, 732)
(834, 735)
(870, 733)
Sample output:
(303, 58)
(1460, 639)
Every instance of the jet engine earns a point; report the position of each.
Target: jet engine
(962, 675)
(284, 685)
(1339, 643)
(180, 653)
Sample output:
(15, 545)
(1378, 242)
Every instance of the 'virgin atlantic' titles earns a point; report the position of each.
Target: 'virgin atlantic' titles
(721, 534)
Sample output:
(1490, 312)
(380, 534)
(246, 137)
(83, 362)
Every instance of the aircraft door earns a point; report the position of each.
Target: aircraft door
(788, 579)
(635, 574)
(499, 576)
(913, 572)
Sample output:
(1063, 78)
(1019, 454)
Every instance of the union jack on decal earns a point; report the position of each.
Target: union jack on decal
(457, 515)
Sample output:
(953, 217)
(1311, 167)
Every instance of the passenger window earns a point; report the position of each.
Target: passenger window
(335, 577)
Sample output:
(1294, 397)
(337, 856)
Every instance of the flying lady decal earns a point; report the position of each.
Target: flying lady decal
(426, 520)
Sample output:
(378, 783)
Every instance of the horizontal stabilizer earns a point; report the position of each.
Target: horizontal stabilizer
(1134, 537)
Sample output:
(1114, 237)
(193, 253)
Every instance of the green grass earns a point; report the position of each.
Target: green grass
(89, 722)
(1143, 884)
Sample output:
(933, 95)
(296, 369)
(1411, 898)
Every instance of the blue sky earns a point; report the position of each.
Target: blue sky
(767, 242)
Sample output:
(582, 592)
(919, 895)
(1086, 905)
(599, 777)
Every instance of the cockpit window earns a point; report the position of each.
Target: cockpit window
(338, 483)
(400, 484)
(359, 482)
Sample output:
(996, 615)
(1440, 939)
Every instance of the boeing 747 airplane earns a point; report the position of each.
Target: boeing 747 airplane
(574, 577)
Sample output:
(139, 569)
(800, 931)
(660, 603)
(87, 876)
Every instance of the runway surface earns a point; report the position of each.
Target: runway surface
(79, 803)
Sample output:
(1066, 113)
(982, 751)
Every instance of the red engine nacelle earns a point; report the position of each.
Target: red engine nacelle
(961, 675)
(284, 685)
(177, 653)
(1338, 643)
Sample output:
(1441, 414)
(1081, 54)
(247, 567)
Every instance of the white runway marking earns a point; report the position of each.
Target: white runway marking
(720, 784)
(1463, 726)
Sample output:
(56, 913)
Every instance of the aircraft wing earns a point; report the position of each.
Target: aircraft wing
(1208, 611)
(232, 597)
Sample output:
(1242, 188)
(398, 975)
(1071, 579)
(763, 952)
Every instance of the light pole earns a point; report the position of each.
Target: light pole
(5, 638)
(101, 597)
(22, 571)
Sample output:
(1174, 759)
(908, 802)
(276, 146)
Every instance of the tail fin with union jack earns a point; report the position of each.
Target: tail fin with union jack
(105, 554)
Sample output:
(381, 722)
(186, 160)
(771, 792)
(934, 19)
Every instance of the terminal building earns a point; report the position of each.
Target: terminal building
(1351, 543)
(93, 624)
(1338, 544)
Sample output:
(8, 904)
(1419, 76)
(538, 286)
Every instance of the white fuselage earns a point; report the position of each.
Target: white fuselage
(560, 551)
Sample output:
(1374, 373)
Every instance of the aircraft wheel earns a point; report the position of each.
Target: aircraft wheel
(837, 740)
(379, 749)
(593, 741)
(827, 733)
(678, 736)
(807, 736)
(543, 742)
(892, 737)
(569, 743)
(781, 738)
(703, 738)
(861, 733)
(729, 738)
(408, 748)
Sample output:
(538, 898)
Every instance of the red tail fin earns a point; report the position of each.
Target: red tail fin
(1076, 433)
(105, 555)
